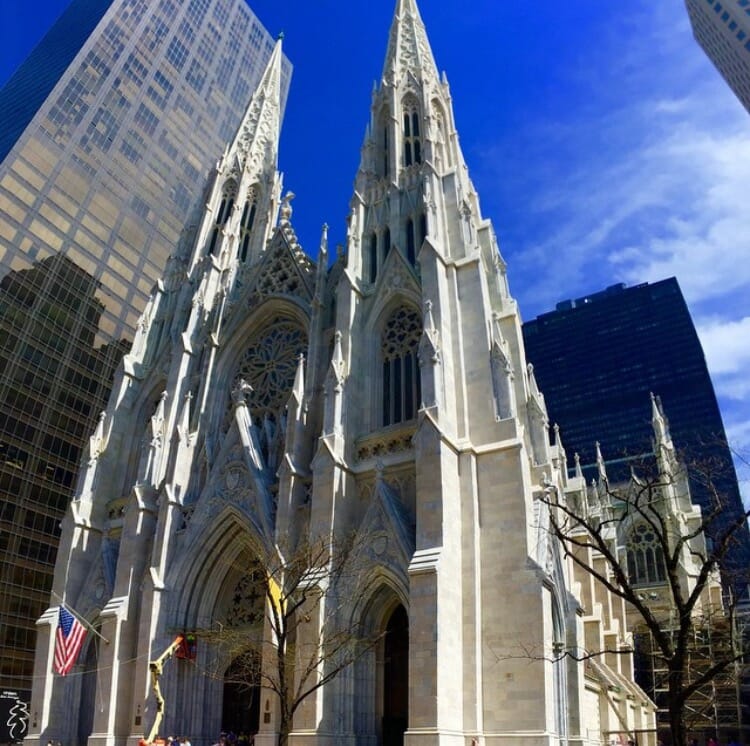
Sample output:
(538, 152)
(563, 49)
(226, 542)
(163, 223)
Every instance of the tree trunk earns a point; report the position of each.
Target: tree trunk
(676, 707)
(284, 728)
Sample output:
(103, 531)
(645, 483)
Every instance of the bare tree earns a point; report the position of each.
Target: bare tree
(301, 635)
(669, 579)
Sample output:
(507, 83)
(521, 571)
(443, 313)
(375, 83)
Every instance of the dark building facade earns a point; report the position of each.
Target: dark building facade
(107, 132)
(598, 358)
(54, 381)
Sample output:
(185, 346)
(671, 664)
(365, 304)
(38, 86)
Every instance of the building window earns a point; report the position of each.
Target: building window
(196, 76)
(411, 252)
(222, 216)
(415, 236)
(177, 53)
(373, 257)
(400, 384)
(645, 557)
(246, 225)
(269, 365)
(146, 119)
(383, 145)
(412, 137)
(386, 242)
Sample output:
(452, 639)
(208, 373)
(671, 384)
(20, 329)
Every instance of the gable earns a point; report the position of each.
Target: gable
(283, 270)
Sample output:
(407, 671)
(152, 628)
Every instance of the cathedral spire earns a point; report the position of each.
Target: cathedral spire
(258, 135)
(662, 440)
(600, 465)
(659, 422)
(241, 209)
(408, 48)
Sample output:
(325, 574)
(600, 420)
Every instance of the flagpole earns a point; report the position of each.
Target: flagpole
(80, 618)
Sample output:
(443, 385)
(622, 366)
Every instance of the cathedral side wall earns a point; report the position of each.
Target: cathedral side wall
(516, 622)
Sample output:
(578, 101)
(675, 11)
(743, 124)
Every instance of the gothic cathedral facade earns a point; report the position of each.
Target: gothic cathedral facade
(269, 398)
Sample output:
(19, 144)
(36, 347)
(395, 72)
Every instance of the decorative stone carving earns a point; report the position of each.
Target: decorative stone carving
(381, 444)
(268, 367)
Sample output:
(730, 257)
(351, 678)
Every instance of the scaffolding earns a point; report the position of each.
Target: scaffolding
(719, 708)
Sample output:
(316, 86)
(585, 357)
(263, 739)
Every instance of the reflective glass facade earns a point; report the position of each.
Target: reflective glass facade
(722, 28)
(597, 360)
(108, 131)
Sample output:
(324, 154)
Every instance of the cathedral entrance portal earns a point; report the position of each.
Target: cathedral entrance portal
(240, 711)
(396, 678)
(87, 707)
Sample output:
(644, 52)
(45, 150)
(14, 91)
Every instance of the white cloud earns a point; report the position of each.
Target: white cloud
(648, 183)
(726, 345)
(652, 186)
(703, 239)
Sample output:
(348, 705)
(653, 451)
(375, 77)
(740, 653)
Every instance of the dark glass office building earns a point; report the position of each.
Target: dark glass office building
(107, 133)
(597, 359)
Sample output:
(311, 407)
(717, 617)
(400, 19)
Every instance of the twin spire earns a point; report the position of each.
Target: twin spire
(408, 47)
(258, 135)
(408, 51)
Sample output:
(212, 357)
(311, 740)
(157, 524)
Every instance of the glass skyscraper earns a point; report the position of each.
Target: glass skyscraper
(107, 133)
(723, 30)
(597, 359)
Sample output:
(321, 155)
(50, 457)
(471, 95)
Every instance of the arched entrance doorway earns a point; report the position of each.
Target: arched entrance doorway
(239, 614)
(396, 678)
(87, 701)
(240, 711)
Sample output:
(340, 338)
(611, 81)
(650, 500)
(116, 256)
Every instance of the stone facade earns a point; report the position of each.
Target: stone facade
(269, 398)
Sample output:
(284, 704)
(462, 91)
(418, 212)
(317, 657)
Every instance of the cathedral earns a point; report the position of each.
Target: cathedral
(270, 400)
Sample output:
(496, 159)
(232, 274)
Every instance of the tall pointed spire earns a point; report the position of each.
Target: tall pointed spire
(259, 131)
(408, 47)
(244, 201)
(659, 422)
(600, 465)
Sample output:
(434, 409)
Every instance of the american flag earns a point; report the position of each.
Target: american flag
(70, 636)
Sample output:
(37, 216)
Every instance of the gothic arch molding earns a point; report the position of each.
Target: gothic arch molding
(145, 406)
(368, 675)
(376, 357)
(214, 546)
(387, 591)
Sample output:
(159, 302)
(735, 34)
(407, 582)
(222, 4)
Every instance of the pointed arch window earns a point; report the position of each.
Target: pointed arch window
(411, 251)
(645, 556)
(246, 225)
(385, 152)
(401, 384)
(386, 236)
(416, 232)
(373, 257)
(411, 135)
(222, 216)
(382, 156)
(440, 148)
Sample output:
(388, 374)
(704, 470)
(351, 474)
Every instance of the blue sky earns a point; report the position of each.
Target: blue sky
(603, 144)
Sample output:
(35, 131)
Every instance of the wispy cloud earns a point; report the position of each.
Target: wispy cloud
(726, 344)
(643, 182)
(651, 187)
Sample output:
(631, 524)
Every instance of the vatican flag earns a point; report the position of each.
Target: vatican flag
(276, 596)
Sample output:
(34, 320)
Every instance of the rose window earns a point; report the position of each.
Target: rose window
(269, 366)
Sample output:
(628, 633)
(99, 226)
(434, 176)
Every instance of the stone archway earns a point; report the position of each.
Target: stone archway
(381, 689)
(87, 701)
(395, 717)
(240, 611)
(240, 709)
